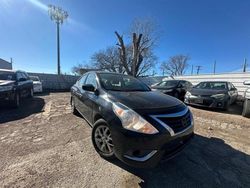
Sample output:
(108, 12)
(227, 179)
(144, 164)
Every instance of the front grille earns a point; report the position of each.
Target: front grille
(177, 124)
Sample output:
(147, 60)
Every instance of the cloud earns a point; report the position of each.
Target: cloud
(72, 22)
(38, 4)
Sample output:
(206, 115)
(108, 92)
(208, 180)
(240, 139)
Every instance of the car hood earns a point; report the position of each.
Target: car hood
(6, 82)
(195, 91)
(144, 100)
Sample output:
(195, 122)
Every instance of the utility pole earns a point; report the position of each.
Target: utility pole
(192, 71)
(214, 66)
(11, 62)
(198, 69)
(245, 65)
(58, 16)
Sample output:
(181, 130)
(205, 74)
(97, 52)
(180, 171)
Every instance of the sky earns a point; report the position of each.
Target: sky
(206, 30)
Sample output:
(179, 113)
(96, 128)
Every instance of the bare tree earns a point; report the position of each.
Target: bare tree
(80, 69)
(108, 59)
(138, 57)
(176, 65)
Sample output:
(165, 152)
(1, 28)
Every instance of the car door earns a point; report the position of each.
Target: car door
(88, 98)
(27, 84)
(182, 89)
(77, 92)
(235, 92)
(232, 92)
(21, 84)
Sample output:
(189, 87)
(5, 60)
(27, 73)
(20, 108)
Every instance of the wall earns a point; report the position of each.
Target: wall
(236, 78)
(54, 82)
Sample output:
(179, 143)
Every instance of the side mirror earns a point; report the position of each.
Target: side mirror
(91, 88)
(22, 80)
(246, 82)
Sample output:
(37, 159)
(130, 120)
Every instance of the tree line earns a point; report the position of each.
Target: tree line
(135, 56)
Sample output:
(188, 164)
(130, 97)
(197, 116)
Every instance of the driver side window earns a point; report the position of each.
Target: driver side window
(19, 76)
(81, 82)
(91, 79)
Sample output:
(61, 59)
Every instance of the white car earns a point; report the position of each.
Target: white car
(246, 106)
(37, 84)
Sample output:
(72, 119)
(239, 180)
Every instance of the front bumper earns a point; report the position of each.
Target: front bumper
(145, 151)
(207, 102)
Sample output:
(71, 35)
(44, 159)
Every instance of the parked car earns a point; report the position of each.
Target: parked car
(37, 84)
(176, 88)
(216, 94)
(138, 126)
(246, 106)
(14, 85)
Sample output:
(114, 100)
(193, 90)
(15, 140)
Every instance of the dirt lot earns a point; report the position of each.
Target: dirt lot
(43, 145)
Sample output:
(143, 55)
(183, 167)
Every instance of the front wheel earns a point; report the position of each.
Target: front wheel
(73, 107)
(246, 108)
(102, 139)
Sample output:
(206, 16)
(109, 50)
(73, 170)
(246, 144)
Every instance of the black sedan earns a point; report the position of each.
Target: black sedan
(14, 85)
(215, 94)
(176, 88)
(129, 121)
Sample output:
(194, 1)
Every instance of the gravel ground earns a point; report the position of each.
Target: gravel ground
(43, 145)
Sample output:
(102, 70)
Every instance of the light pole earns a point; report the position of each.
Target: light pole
(58, 16)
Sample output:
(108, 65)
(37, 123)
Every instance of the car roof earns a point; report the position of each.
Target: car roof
(105, 72)
(215, 81)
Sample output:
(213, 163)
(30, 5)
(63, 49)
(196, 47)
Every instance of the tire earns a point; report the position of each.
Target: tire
(246, 108)
(31, 94)
(102, 139)
(226, 107)
(16, 101)
(73, 108)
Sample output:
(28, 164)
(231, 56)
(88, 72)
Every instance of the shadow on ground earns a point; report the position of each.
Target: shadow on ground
(206, 162)
(27, 107)
(235, 109)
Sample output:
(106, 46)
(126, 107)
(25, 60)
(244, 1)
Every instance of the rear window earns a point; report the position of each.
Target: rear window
(212, 85)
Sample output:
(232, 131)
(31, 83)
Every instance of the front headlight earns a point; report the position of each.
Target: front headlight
(133, 121)
(218, 96)
(5, 88)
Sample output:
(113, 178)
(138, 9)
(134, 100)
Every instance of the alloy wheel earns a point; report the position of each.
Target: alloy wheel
(103, 139)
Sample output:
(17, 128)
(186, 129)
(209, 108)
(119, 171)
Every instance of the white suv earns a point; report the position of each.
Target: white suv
(246, 106)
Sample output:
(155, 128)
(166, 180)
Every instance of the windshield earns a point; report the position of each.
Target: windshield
(212, 85)
(117, 82)
(7, 75)
(34, 78)
(169, 83)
